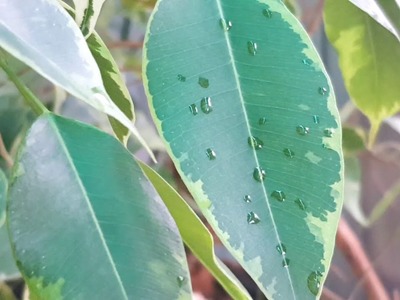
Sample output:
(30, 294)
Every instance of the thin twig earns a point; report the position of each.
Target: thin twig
(4, 154)
(351, 247)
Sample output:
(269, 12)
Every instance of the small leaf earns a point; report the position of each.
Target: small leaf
(89, 200)
(195, 235)
(369, 58)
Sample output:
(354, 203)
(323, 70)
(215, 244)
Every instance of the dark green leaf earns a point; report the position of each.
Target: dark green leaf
(259, 145)
(195, 235)
(85, 222)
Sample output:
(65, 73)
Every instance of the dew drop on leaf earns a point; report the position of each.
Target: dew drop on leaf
(262, 121)
(206, 105)
(300, 203)
(211, 154)
(281, 248)
(247, 198)
(289, 153)
(181, 78)
(193, 109)
(252, 218)
(302, 130)
(267, 13)
(285, 262)
(252, 47)
(322, 91)
(180, 280)
(225, 24)
(255, 142)
(307, 61)
(259, 174)
(328, 132)
(279, 195)
(316, 119)
(314, 282)
(203, 82)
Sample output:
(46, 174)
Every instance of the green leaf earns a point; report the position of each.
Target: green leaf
(248, 115)
(3, 195)
(27, 31)
(195, 235)
(92, 227)
(369, 58)
(87, 12)
(353, 141)
(113, 83)
(8, 269)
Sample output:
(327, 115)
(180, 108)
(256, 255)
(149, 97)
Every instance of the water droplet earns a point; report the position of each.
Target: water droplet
(181, 78)
(259, 174)
(279, 195)
(211, 154)
(206, 105)
(44, 268)
(180, 280)
(322, 91)
(252, 47)
(302, 130)
(314, 282)
(281, 248)
(267, 13)
(252, 218)
(328, 132)
(285, 262)
(300, 203)
(255, 142)
(262, 121)
(203, 82)
(225, 24)
(193, 109)
(316, 119)
(307, 61)
(247, 199)
(289, 153)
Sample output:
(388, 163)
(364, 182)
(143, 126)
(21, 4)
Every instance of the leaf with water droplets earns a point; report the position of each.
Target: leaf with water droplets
(85, 184)
(264, 99)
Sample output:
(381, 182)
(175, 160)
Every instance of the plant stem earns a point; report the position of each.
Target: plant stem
(36, 105)
(373, 133)
(4, 153)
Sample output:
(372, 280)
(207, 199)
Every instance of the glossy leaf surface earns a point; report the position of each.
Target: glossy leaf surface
(195, 235)
(248, 114)
(369, 58)
(85, 223)
(27, 31)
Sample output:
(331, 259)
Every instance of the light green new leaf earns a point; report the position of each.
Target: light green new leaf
(248, 114)
(195, 235)
(3, 195)
(369, 58)
(86, 14)
(85, 223)
(28, 30)
(113, 83)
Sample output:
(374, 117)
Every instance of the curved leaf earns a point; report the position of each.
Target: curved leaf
(248, 114)
(27, 31)
(369, 58)
(195, 235)
(92, 227)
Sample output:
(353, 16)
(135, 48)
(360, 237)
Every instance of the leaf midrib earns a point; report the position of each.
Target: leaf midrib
(91, 210)
(239, 89)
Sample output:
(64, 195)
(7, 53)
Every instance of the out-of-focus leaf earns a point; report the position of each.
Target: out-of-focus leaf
(111, 237)
(369, 58)
(8, 269)
(86, 14)
(6, 293)
(113, 83)
(353, 140)
(292, 6)
(248, 115)
(3, 196)
(195, 235)
(27, 31)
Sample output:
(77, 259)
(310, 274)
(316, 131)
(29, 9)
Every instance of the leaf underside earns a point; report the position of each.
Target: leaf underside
(248, 114)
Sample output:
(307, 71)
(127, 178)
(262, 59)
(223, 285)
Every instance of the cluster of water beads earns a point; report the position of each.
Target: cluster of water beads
(205, 106)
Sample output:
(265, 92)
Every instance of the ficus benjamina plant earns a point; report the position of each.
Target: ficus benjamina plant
(246, 112)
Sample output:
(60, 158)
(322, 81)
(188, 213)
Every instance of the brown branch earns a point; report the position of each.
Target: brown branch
(125, 44)
(4, 154)
(351, 247)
